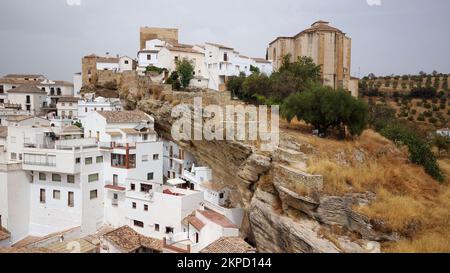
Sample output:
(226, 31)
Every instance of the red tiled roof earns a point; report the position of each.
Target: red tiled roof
(217, 218)
(197, 223)
(228, 245)
(171, 193)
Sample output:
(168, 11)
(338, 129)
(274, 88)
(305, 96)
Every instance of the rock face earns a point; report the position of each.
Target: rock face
(279, 218)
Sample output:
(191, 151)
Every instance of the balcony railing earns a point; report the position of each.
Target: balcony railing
(43, 164)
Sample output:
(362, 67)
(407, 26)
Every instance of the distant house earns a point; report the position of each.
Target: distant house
(67, 107)
(29, 97)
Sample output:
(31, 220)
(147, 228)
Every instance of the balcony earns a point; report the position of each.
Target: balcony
(115, 187)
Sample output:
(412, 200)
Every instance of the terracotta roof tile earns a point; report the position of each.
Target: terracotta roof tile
(4, 234)
(124, 116)
(27, 89)
(220, 46)
(217, 218)
(68, 99)
(24, 250)
(229, 245)
(195, 222)
(128, 240)
(29, 76)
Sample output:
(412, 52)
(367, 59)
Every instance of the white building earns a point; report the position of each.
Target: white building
(176, 160)
(169, 56)
(263, 65)
(29, 97)
(67, 186)
(89, 105)
(149, 55)
(126, 64)
(223, 62)
(108, 63)
(67, 107)
(54, 181)
(53, 89)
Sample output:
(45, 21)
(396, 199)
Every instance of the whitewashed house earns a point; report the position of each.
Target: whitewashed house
(67, 187)
(108, 63)
(126, 64)
(176, 160)
(29, 97)
(223, 62)
(149, 55)
(67, 107)
(169, 56)
(88, 105)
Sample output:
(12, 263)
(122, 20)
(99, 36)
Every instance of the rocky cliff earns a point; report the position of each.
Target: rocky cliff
(286, 210)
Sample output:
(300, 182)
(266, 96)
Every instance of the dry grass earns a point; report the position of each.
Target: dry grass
(408, 200)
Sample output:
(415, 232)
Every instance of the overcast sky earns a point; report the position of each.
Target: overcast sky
(50, 36)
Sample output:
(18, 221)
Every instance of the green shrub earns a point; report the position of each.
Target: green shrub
(155, 69)
(419, 151)
(428, 114)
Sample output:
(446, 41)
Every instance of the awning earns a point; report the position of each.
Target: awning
(176, 182)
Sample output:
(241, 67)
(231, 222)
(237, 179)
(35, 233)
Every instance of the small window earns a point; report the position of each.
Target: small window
(70, 199)
(71, 179)
(93, 194)
(144, 158)
(155, 156)
(176, 58)
(146, 188)
(149, 57)
(77, 160)
(42, 176)
(42, 196)
(99, 159)
(56, 177)
(133, 187)
(145, 207)
(115, 196)
(169, 230)
(134, 206)
(126, 61)
(56, 195)
(156, 227)
(138, 224)
(221, 195)
(150, 176)
(88, 161)
(93, 177)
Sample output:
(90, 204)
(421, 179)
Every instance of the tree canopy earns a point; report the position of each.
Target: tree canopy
(325, 108)
(185, 69)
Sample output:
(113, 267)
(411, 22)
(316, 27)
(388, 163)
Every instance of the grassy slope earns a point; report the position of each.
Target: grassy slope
(408, 200)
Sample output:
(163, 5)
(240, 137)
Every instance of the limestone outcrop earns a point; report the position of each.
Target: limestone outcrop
(286, 211)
